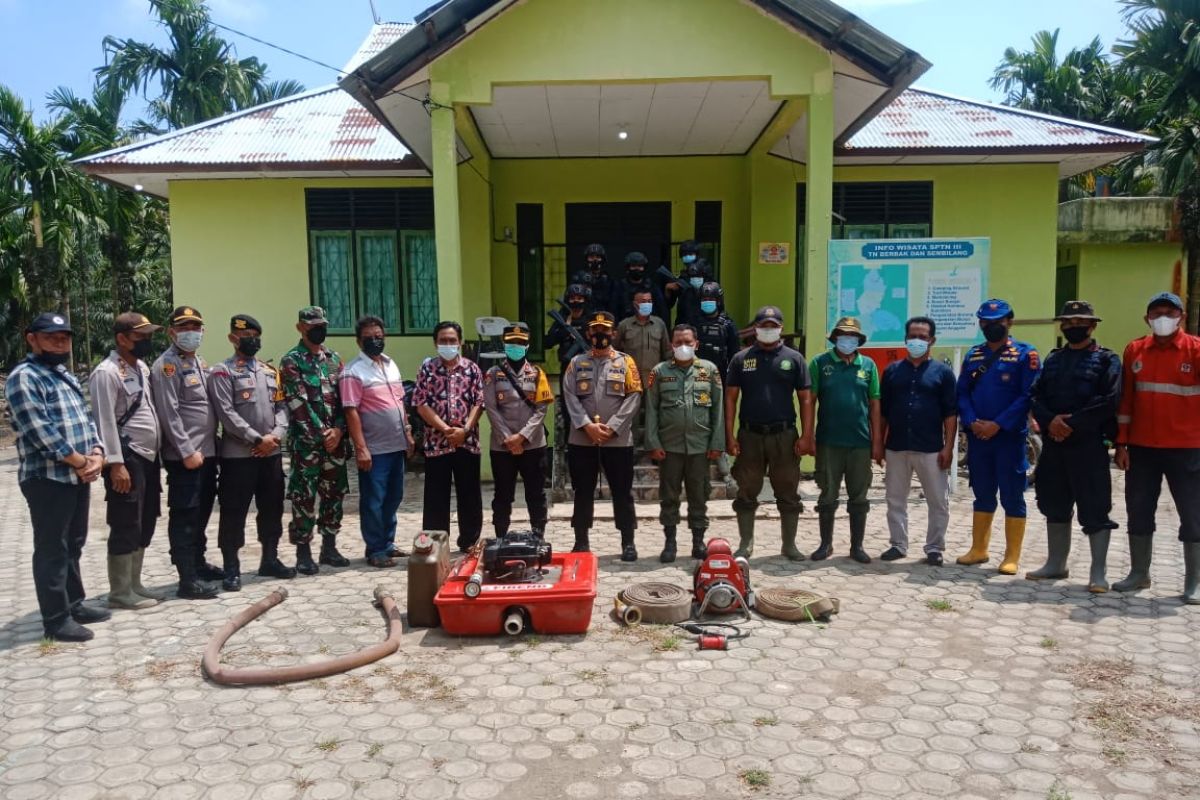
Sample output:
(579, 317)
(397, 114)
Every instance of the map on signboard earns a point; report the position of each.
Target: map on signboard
(883, 282)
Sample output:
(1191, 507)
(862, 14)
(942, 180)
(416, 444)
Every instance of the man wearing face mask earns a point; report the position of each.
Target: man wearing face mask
(61, 455)
(643, 336)
(684, 432)
(247, 395)
(683, 293)
(1158, 436)
(993, 403)
(1074, 401)
(716, 332)
(622, 304)
(124, 414)
(318, 482)
(516, 396)
(769, 378)
(578, 295)
(602, 283)
(849, 433)
(449, 397)
(179, 388)
(602, 390)
(373, 401)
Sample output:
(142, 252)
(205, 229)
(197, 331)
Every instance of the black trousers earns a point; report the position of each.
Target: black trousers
(1071, 476)
(462, 469)
(190, 497)
(530, 465)
(1143, 485)
(132, 516)
(243, 480)
(586, 463)
(59, 514)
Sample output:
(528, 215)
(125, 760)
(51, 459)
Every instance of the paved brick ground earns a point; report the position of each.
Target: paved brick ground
(1015, 690)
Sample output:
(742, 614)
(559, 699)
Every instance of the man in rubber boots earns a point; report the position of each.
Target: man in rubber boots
(845, 386)
(764, 377)
(516, 396)
(684, 432)
(1074, 401)
(993, 402)
(124, 414)
(247, 395)
(1158, 436)
(602, 391)
(179, 387)
(317, 441)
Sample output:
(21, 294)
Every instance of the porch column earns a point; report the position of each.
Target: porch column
(818, 214)
(447, 230)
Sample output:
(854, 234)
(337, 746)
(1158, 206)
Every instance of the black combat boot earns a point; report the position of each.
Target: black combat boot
(329, 552)
(271, 566)
(232, 582)
(581, 541)
(304, 560)
(628, 550)
(823, 552)
(668, 552)
(699, 549)
(208, 572)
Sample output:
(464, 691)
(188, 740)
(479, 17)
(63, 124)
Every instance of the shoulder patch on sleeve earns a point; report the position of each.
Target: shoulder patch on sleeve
(1034, 361)
(168, 369)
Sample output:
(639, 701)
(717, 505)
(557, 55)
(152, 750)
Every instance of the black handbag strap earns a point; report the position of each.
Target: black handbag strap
(137, 402)
(515, 380)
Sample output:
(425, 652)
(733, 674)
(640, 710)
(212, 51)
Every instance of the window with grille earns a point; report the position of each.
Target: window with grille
(371, 251)
(894, 210)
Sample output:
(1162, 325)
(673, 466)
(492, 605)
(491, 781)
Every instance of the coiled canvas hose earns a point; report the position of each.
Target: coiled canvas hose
(258, 676)
(794, 605)
(659, 603)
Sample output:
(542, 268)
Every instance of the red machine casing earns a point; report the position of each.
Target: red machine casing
(564, 606)
(718, 567)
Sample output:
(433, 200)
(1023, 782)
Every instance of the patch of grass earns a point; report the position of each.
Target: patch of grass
(939, 604)
(1115, 755)
(48, 647)
(547, 681)
(533, 640)
(765, 721)
(418, 685)
(328, 745)
(1049, 643)
(323, 649)
(599, 677)
(1057, 792)
(304, 784)
(755, 778)
(375, 749)
(668, 643)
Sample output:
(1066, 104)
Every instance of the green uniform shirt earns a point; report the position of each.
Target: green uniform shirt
(684, 408)
(843, 392)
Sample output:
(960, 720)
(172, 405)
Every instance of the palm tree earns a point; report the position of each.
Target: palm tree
(197, 77)
(1038, 81)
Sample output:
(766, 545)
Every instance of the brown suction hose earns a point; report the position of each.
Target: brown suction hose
(257, 676)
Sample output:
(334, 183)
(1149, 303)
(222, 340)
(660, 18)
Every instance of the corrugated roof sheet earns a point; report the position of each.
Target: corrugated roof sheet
(378, 40)
(920, 119)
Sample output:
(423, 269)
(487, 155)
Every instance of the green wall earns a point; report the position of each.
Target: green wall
(1118, 279)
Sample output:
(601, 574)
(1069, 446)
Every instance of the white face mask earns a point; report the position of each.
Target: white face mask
(685, 352)
(189, 341)
(1164, 326)
(768, 335)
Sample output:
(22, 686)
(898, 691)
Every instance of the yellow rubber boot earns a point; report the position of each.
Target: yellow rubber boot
(1014, 536)
(981, 534)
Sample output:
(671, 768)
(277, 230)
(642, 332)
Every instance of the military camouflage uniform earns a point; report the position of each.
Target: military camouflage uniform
(310, 389)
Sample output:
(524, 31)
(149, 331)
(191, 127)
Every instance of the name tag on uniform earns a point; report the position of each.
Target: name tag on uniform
(668, 379)
(191, 379)
(131, 386)
(749, 365)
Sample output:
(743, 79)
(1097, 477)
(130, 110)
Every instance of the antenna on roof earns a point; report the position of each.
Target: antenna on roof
(374, 11)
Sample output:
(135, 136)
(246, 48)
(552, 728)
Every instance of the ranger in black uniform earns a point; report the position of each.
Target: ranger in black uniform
(636, 280)
(578, 296)
(1074, 401)
(717, 333)
(602, 283)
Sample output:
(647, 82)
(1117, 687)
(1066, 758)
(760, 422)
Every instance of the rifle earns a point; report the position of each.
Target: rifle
(578, 343)
(671, 277)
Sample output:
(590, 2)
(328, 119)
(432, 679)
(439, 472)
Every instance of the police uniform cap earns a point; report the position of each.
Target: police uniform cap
(242, 322)
(602, 319)
(1078, 309)
(848, 326)
(994, 309)
(517, 333)
(1167, 298)
(768, 314)
(50, 322)
(133, 321)
(185, 314)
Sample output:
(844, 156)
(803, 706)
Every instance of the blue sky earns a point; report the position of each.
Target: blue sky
(48, 43)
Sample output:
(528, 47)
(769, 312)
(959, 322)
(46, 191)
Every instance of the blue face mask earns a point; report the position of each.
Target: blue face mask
(644, 309)
(690, 258)
(447, 352)
(515, 352)
(846, 344)
(708, 306)
(696, 282)
(917, 348)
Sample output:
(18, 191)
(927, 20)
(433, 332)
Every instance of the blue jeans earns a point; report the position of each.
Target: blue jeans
(380, 491)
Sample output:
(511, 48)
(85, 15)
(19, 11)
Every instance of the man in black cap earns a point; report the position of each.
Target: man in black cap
(1074, 400)
(124, 414)
(516, 396)
(765, 377)
(60, 453)
(179, 387)
(247, 395)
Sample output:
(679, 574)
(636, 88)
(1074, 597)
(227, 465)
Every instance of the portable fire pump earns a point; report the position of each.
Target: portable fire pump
(722, 583)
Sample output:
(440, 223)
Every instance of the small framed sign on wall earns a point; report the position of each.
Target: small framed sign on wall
(774, 252)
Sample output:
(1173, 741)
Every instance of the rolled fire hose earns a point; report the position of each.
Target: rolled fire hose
(658, 603)
(257, 676)
(795, 605)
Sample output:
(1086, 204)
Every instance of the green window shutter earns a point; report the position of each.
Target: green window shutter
(380, 277)
(333, 277)
(420, 281)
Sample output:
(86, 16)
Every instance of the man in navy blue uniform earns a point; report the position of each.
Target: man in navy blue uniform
(993, 402)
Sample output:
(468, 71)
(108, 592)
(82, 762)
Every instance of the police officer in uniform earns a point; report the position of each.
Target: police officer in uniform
(602, 390)
(247, 395)
(516, 396)
(179, 386)
(993, 402)
(684, 432)
(636, 280)
(717, 333)
(765, 377)
(1074, 401)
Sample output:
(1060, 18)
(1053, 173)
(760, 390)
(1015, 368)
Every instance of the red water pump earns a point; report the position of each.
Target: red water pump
(722, 582)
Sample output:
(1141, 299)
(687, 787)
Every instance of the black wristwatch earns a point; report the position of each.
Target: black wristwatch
(258, 440)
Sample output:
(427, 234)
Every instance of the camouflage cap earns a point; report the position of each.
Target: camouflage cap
(313, 315)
